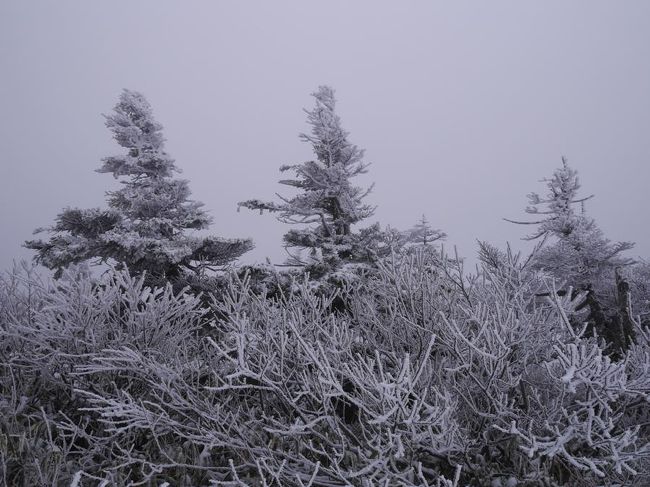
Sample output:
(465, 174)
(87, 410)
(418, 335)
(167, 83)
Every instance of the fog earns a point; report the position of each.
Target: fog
(462, 107)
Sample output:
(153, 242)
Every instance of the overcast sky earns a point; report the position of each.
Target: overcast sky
(462, 107)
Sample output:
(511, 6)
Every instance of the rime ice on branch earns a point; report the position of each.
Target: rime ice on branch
(327, 202)
(144, 226)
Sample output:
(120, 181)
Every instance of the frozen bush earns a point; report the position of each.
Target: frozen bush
(428, 377)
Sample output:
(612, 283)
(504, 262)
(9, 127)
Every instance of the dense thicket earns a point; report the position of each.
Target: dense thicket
(430, 379)
(406, 372)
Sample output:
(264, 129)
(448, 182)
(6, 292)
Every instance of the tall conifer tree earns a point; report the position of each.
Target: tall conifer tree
(577, 250)
(144, 227)
(579, 254)
(328, 204)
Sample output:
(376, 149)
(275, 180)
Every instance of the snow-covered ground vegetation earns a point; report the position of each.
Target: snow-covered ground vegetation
(428, 378)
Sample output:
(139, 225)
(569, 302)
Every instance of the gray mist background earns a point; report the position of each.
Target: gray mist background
(462, 106)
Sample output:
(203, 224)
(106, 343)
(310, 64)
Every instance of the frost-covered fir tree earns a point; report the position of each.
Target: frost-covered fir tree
(327, 203)
(578, 251)
(575, 251)
(422, 234)
(144, 227)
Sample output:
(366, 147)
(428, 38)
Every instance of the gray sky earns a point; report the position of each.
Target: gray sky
(462, 106)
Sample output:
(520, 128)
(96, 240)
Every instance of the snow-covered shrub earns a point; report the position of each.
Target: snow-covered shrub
(283, 391)
(51, 331)
(537, 400)
(428, 377)
(638, 276)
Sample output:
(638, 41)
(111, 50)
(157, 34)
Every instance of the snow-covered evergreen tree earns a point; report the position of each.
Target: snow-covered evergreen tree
(328, 203)
(578, 251)
(422, 234)
(146, 220)
(578, 254)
